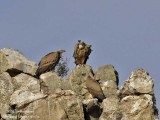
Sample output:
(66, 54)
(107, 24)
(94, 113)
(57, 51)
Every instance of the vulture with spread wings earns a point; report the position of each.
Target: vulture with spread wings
(81, 52)
(48, 62)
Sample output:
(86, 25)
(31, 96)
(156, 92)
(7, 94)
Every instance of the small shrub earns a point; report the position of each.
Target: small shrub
(62, 67)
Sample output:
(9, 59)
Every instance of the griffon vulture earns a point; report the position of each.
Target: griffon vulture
(94, 88)
(48, 62)
(81, 52)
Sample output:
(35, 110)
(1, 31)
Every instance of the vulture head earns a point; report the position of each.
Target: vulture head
(81, 44)
(61, 51)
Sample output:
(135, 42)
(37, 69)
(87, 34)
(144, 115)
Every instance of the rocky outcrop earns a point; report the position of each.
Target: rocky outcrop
(6, 90)
(111, 109)
(77, 80)
(138, 83)
(135, 100)
(108, 78)
(15, 62)
(23, 96)
(138, 107)
(27, 90)
(137, 97)
(24, 81)
(62, 105)
(53, 81)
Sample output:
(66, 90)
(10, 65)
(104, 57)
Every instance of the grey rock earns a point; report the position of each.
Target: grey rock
(111, 109)
(138, 83)
(21, 98)
(107, 72)
(6, 90)
(77, 80)
(62, 105)
(53, 81)
(15, 62)
(23, 80)
(27, 90)
(107, 76)
(137, 97)
(138, 108)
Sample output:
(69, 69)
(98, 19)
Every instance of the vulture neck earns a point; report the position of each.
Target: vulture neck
(80, 46)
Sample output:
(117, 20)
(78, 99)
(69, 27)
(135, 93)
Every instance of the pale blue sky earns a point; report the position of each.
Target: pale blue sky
(125, 33)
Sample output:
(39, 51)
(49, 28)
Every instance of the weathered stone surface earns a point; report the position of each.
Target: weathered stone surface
(77, 80)
(27, 90)
(6, 90)
(138, 108)
(111, 109)
(138, 101)
(107, 72)
(109, 88)
(107, 76)
(15, 62)
(53, 81)
(24, 96)
(24, 80)
(92, 109)
(138, 83)
(62, 105)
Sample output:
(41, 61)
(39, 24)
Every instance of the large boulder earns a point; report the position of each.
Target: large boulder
(137, 97)
(138, 108)
(23, 80)
(62, 105)
(107, 76)
(6, 90)
(15, 62)
(21, 98)
(77, 80)
(138, 83)
(53, 82)
(27, 90)
(111, 109)
(107, 72)
(91, 107)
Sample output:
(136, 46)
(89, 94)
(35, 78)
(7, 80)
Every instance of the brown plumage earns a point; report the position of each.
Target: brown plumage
(81, 52)
(94, 88)
(48, 62)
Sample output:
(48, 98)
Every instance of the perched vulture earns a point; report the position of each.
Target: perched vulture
(48, 62)
(81, 52)
(94, 88)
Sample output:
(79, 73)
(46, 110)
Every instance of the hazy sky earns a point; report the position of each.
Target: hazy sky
(125, 33)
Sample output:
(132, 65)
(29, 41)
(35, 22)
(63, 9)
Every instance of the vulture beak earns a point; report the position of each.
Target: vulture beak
(61, 51)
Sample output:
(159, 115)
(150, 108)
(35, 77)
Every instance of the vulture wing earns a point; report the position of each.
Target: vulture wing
(49, 58)
(48, 63)
(75, 50)
(94, 88)
(87, 53)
